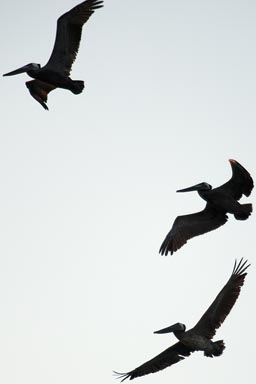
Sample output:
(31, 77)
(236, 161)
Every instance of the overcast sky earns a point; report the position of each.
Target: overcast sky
(88, 190)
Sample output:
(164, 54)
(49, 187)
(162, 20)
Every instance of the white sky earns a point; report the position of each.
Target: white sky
(88, 190)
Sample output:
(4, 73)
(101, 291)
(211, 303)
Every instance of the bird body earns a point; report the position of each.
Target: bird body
(225, 203)
(219, 202)
(55, 74)
(57, 79)
(197, 342)
(198, 338)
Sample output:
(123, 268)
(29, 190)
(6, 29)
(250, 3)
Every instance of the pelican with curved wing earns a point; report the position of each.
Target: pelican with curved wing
(55, 74)
(220, 201)
(199, 337)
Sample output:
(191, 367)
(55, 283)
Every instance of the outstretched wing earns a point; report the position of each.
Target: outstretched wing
(241, 182)
(68, 36)
(39, 90)
(188, 226)
(170, 356)
(224, 302)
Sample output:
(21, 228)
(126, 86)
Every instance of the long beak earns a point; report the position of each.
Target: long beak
(17, 71)
(193, 188)
(166, 330)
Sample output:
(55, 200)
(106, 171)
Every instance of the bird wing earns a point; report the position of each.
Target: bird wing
(241, 182)
(68, 36)
(39, 90)
(223, 303)
(188, 226)
(170, 356)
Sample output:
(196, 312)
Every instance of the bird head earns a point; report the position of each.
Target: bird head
(173, 328)
(25, 68)
(198, 187)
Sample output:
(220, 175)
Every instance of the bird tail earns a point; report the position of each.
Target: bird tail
(77, 86)
(245, 211)
(217, 349)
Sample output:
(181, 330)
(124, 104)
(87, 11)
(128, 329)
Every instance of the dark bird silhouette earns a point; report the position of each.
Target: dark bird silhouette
(199, 337)
(220, 201)
(55, 74)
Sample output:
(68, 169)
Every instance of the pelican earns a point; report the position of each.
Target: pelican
(55, 74)
(199, 337)
(220, 201)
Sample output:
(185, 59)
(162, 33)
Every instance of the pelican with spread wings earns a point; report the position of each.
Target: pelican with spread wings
(220, 201)
(199, 337)
(55, 74)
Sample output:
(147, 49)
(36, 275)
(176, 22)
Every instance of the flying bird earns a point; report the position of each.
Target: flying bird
(55, 74)
(199, 337)
(220, 201)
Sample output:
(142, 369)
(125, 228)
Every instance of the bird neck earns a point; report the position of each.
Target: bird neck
(178, 334)
(32, 72)
(203, 194)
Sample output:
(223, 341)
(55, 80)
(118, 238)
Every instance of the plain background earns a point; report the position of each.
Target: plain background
(88, 190)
